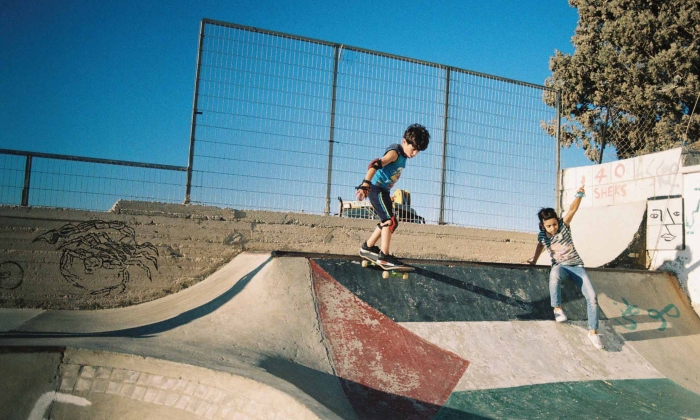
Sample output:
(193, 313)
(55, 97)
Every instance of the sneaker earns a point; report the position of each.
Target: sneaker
(370, 251)
(388, 260)
(559, 315)
(595, 339)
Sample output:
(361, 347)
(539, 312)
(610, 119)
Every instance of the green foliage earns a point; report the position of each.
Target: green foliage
(633, 80)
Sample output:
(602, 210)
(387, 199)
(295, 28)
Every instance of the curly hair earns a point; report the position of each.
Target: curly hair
(418, 136)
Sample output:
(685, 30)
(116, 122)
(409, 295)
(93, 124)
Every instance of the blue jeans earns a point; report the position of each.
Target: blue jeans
(578, 275)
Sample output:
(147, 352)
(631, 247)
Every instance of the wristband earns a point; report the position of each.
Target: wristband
(580, 194)
(362, 186)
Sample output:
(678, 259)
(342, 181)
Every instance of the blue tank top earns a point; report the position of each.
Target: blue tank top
(388, 175)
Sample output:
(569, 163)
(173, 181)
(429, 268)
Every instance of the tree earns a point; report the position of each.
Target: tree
(634, 79)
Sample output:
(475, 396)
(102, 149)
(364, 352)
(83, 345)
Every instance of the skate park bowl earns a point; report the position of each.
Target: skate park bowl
(291, 335)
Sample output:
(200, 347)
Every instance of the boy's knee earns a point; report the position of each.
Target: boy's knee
(392, 224)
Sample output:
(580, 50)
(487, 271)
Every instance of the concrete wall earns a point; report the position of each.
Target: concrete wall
(68, 259)
(648, 204)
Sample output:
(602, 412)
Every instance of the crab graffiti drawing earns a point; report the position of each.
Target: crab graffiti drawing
(98, 255)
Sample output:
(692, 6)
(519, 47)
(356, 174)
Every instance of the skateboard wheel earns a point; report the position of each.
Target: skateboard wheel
(365, 263)
(405, 276)
(385, 275)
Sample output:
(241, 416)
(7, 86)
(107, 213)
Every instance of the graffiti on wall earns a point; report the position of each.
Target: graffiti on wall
(631, 311)
(628, 180)
(11, 275)
(609, 180)
(99, 256)
(690, 223)
(665, 223)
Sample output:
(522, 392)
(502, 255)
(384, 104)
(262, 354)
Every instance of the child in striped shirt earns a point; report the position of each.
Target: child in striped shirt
(555, 235)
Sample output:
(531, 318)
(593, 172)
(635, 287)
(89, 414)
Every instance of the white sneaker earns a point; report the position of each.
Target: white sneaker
(595, 339)
(559, 315)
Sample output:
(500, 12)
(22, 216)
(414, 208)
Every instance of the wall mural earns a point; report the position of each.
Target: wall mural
(98, 255)
(665, 223)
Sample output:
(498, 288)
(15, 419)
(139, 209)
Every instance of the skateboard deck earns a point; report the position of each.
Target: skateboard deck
(402, 270)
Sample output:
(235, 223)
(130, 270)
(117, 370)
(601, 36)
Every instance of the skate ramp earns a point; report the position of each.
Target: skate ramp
(334, 340)
(254, 320)
(522, 364)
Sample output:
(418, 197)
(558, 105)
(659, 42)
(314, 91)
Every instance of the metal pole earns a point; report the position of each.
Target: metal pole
(441, 219)
(92, 160)
(558, 191)
(27, 179)
(331, 137)
(195, 112)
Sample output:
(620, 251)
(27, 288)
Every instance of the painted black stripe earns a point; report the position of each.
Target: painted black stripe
(442, 293)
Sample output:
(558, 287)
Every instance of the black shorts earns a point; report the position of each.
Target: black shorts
(381, 202)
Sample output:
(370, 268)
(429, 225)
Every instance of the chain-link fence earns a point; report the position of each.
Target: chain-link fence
(285, 123)
(620, 135)
(50, 180)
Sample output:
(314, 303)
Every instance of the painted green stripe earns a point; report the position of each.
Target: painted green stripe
(386, 210)
(440, 293)
(612, 399)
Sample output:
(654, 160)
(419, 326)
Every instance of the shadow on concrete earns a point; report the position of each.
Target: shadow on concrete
(367, 403)
(525, 310)
(150, 330)
(445, 293)
(652, 334)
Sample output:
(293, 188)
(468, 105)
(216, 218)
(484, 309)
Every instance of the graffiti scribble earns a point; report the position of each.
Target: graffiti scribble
(100, 245)
(654, 314)
(11, 275)
(630, 311)
(670, 310)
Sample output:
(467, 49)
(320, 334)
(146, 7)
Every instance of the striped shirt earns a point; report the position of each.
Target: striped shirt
(561, 246)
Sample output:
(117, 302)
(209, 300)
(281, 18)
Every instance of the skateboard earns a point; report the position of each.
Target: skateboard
(399, 271)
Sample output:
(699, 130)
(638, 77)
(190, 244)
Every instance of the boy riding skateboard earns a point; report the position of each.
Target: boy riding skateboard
(382, 174)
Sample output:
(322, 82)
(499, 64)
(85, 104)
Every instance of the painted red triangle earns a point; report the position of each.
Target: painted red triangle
(386, 370)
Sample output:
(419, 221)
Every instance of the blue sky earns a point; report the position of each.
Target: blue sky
(114, 78)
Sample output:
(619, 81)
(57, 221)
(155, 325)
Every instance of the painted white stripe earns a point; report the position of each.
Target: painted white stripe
(46, 399)
(519, 353)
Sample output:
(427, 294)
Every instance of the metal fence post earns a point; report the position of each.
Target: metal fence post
(558, 171)
(443, 181)
(27, 179)
(331, 137)
(195, 112)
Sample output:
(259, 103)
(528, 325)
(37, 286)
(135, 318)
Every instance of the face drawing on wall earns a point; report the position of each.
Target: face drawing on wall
(665, 224)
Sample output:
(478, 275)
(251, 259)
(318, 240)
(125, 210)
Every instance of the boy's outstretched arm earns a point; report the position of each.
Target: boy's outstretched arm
(574, 206)
(363, 189)
(538, 251)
